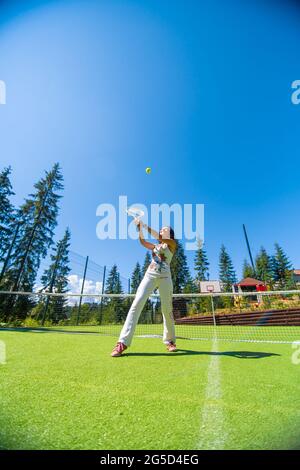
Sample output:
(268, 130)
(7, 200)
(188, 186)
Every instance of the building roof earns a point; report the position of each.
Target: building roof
(249, 281)
(297, 272)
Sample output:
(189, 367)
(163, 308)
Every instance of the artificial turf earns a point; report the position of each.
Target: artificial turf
(64, 391)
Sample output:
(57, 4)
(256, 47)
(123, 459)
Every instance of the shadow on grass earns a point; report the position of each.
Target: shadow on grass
(188, 352)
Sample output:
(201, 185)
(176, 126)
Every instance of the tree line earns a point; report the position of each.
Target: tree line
(275, 270)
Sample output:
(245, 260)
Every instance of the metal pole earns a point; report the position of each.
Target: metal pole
(82, 287)
(249, 249)
(9, 251)
(129, 286)
(213, 310)
(102, 292)
(51, 285)
(152, 312)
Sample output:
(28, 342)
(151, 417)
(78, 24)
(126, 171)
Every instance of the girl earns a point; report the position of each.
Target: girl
(158, 275)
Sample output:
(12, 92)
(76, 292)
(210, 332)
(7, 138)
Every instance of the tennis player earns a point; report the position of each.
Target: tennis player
(158, 275)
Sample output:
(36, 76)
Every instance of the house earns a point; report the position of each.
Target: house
(250, 284)
(296, 276)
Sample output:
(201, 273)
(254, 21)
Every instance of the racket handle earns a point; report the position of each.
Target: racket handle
(138, 223)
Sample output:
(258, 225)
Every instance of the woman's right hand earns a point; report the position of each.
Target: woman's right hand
(137, 223)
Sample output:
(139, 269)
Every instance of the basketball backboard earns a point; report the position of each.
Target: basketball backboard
(210, 286)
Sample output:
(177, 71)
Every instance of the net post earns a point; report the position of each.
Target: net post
(82, 287)
(102, 292)
(213, 309)
(152, 313)
(53, 277)
(45, 311)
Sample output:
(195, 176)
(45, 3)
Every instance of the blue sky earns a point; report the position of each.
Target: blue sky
(198, 91)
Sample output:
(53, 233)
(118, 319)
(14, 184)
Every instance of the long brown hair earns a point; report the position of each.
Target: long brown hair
(172, 234)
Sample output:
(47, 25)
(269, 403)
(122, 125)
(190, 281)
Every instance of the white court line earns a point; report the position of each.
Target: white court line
(212, 429)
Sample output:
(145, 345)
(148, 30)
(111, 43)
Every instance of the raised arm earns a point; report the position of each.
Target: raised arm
(148, 245)
(152, 232)
(170, 242)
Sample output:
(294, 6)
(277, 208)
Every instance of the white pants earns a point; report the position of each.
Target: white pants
(149, 283)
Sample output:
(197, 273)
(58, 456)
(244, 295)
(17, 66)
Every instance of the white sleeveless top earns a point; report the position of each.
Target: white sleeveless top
(161, 259)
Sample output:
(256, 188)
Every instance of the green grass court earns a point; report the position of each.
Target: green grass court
(64, 391)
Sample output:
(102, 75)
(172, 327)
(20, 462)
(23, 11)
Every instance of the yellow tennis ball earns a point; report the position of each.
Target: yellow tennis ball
(148, 171)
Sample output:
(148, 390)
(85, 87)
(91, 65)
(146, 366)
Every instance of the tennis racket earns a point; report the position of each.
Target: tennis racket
(135, 212)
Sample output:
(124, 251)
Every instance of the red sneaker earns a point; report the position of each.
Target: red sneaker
(118, 350)
(171, 346)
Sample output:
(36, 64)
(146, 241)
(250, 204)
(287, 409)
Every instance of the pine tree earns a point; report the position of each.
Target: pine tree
(180, 271)
(55, 279)
(115, 308)
(113, 282)
(39, 215)
(147, 261)
(226, 270)
(201, 267)
(6, 212)
(136, 278)
(263, 266)
(248, 270)
(281, 268)
(201, 264)
(39, 218)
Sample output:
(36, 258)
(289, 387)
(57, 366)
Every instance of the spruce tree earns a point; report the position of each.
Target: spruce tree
(113, 283)
(39, 218)
(263, 266)
(248, 270)
(226, 270)
(201, 264)
(180, 271)
(39, 215)
(55, 279)
(6, 212)
(281, 268)
(201, 268)
(115, 308)
(136, 278)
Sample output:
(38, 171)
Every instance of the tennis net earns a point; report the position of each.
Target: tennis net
(271, 316)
